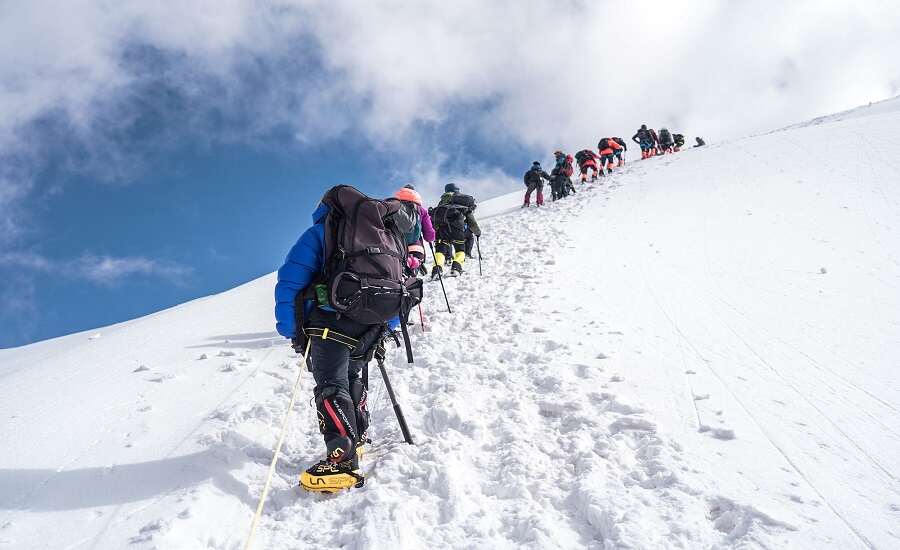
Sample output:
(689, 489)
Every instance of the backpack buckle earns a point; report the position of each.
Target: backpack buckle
(373, 250)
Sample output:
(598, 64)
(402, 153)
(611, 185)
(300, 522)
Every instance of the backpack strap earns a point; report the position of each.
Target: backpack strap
(333, 335)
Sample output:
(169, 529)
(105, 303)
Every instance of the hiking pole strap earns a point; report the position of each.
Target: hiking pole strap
(398, 412)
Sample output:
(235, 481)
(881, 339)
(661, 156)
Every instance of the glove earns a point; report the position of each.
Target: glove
(299, 344)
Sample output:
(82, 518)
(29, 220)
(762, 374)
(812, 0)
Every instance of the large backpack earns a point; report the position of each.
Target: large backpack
(453, 215)
(365, 254)
(582, 156)
(665, 136)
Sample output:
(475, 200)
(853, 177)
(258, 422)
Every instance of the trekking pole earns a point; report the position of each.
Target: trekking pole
(440, 278)
(284, 425)
(478, 246)
(397, 410)
(421, 317)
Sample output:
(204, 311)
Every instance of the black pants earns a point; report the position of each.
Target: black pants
(340, 395)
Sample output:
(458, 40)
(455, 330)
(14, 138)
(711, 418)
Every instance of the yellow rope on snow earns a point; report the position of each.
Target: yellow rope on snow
(287, 415)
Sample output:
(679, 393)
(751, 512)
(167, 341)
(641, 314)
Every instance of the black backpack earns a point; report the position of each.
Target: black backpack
(453, 215)
(582, 156)
(452, 210)
(365, 254)
(533, 176)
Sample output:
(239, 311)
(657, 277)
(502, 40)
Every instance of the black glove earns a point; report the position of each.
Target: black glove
(299, 344)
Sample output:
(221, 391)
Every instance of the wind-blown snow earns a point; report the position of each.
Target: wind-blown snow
(701, 352)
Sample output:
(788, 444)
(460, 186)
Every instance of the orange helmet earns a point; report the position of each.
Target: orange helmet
(409, 194)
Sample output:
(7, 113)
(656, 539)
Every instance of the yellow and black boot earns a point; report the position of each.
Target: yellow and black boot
(337, 422)
(326, 476)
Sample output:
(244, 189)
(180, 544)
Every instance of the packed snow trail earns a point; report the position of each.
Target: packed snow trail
(699, 352)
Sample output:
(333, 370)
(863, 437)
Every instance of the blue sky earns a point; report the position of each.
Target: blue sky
(201, 220)
(155, 152)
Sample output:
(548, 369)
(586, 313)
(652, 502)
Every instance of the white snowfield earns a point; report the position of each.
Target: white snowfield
(700, 352)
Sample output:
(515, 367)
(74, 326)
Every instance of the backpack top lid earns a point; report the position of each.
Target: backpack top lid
(342, 199)
(451, 188)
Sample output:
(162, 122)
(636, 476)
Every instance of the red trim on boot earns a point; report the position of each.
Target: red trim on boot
(334, 417)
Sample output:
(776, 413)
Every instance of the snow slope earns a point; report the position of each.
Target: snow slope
(702, 352)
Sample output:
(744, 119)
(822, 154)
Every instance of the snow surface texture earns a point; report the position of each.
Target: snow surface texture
(701, 352)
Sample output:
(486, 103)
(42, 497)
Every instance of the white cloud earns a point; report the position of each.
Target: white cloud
(535, 75)
(100, 269)
(109, 270)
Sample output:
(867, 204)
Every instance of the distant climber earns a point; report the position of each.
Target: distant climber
(607, 148)
(666, 143)
(644, 140)
(620, 153)
(534, 181)
(587, 161)
(451, 217)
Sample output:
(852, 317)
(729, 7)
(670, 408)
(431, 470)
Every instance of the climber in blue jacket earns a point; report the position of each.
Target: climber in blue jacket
(338, 348)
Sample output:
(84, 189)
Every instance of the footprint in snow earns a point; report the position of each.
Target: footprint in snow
(725, 434)
(616, 378)
(630, 423)
(226, 353)
(141, 368)
(550, 345)
(701, 397)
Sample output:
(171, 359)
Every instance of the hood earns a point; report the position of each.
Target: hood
(318, 215)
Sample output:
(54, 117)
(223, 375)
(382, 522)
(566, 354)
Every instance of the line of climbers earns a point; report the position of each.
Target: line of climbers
(666, 142)
(610, 154)
(347, 284)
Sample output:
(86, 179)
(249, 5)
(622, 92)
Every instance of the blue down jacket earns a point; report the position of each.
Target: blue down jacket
(303, 264)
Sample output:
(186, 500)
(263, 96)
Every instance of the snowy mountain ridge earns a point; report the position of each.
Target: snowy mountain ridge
(699, 352)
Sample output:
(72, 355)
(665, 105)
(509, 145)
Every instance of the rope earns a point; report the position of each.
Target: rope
(284, 424)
